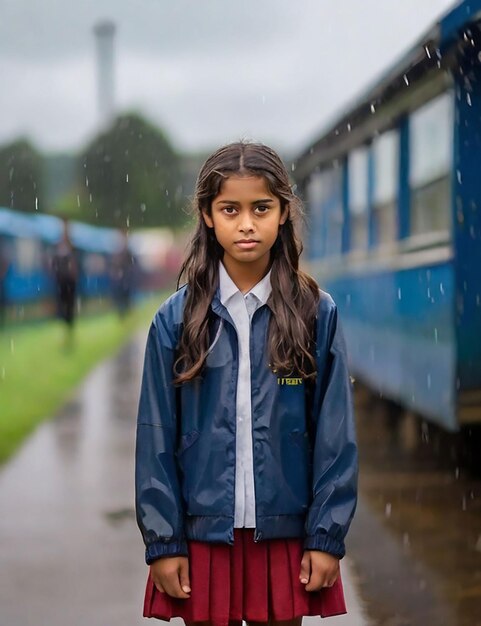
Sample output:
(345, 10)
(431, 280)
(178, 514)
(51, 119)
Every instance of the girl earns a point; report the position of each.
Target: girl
(246, 461)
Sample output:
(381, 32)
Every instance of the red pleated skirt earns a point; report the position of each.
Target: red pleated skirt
(246, 581)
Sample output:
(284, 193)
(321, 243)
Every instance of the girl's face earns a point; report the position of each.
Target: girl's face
(246, 217)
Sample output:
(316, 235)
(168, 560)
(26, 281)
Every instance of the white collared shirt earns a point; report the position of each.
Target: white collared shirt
(241, 309)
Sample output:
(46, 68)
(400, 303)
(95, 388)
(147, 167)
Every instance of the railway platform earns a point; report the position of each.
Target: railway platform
(70, 550)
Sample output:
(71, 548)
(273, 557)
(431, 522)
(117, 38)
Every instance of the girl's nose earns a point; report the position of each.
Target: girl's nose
(246, 224)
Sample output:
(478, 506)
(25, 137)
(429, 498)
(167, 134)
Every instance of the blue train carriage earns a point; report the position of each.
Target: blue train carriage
(393, 198)
(27, 242)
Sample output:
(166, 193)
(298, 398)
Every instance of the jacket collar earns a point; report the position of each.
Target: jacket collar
(227, 287)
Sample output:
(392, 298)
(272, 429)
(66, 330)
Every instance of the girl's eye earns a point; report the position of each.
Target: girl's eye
(261, 208)
(229, 210)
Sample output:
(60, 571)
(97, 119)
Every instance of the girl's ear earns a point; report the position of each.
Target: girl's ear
(207, 219)
(284, 215)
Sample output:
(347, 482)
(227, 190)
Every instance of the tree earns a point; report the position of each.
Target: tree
(21, 176)
(131, 177)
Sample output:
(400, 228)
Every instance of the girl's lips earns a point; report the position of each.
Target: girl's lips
(246, 245)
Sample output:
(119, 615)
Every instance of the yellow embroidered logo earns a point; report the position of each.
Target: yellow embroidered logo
(289, 381)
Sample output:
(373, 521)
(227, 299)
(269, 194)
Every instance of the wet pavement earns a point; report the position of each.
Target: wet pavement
(416, 538)
(71, 553)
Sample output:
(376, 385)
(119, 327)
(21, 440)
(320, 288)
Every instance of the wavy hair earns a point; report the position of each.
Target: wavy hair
(294, 296)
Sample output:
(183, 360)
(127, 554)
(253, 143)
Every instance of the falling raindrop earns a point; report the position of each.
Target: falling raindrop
(399, 296)
(435, 335)
(126, 178)
(429, 292)
(388, 510)
(425, 432)
(86, 181)
(428, 381)
(293, 167)
(263, 99)
(36, 203)
(464, 503)
(90, 198)
(373, 108)
(458, 176)
(4, 372)
(349, 127)
(406, 79)
(78, 200)
(428, 54)
(143, 207)
(10, 173)
(456, 473)
(406, 541)
(441, 288)
(348, 299)
(468, 99)
(478, 544)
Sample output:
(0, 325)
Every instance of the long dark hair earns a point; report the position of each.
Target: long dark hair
(295, 295)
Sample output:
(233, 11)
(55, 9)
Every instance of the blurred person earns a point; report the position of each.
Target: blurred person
(246, 458)
(4, 265)
(123, 272)
(65, 271)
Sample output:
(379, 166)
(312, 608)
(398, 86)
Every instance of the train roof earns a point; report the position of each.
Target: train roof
(420, 65)
(49, 228)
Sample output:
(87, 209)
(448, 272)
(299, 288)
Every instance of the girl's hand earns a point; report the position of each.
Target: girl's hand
(171, 575)
(318, 569)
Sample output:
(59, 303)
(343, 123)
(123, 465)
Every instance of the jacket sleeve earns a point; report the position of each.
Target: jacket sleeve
(335, 461)
(158, 500)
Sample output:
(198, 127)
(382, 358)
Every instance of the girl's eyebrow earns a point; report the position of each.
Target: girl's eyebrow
(265, 201)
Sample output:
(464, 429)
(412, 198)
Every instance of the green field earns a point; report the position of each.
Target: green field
(39, 369)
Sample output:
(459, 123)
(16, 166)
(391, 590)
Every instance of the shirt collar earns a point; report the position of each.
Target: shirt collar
(227, 287)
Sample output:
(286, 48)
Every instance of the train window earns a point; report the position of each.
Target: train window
(358, 197)
(324, 206)
(431, 154)
(27, 255)
(386, 158)
(315, 234)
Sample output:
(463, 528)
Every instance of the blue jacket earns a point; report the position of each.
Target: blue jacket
(304, 448)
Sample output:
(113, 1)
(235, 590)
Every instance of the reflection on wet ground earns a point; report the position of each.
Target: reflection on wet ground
(416, 538)
(71, 553)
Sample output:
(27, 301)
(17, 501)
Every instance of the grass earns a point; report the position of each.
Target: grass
(38, 371)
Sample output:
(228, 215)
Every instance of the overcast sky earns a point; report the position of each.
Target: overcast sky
(207, 71)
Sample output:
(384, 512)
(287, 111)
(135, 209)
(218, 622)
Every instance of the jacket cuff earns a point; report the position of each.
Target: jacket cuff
(160, 549)
(325, 543)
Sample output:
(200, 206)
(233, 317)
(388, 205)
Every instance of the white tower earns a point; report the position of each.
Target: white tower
(104, 33)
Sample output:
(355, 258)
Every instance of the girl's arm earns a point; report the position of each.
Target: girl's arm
(335, 461)
(158, 498)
